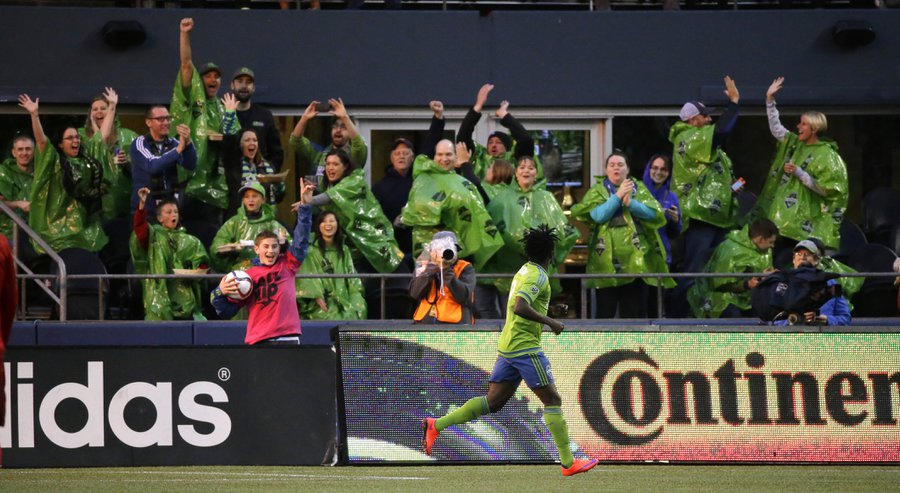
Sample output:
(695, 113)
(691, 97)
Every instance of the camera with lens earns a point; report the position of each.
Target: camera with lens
(445, 249)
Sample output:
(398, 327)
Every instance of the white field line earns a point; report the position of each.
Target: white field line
(250, 476)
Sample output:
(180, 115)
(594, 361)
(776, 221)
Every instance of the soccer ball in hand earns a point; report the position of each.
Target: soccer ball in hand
(245, 284)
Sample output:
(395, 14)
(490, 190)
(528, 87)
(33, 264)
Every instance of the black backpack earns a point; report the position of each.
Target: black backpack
(793, 292)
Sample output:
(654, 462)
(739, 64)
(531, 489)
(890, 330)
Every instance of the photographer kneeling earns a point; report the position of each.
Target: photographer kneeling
(443, 283)
(835, 311)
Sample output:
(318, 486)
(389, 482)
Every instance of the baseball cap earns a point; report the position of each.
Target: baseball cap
(243, 71)
(809, 246)
(692, 109)
(252, 185)
(209, 67)
(406, 142)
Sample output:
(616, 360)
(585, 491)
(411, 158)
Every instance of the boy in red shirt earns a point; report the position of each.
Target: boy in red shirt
(273, 303)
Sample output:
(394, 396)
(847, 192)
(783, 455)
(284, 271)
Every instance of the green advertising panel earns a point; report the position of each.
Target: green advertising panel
(632, 396)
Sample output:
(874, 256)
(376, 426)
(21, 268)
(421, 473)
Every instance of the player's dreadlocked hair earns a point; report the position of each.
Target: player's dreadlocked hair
(539, 243)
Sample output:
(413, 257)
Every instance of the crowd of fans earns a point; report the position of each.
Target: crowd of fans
(210, 161)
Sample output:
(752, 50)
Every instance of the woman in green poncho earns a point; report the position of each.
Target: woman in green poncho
(806, 190)
(359, 213)
(515, 209)
(165, 248)
(624, 219)
(232, 247)
(115, 161)
(67, 186)
(329, 298)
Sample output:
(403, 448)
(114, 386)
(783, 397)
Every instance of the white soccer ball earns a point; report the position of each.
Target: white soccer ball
(245, 284)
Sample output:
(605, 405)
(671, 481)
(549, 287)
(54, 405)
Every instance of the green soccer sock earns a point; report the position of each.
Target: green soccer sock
(555, 422)
(472, 409)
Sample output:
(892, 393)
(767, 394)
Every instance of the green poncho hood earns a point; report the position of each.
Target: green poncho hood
(441, 199)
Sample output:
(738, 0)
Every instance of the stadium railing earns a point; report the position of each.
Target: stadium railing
(383, 278)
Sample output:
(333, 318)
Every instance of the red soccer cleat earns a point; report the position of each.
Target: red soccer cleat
(579, 466)
(429, 434)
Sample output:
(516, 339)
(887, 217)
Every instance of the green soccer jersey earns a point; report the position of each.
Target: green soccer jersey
(521, 336)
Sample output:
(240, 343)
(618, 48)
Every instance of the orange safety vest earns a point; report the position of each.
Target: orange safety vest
(443, 307)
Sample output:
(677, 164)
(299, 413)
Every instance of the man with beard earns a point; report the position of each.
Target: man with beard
(344, 136)
(257, 117)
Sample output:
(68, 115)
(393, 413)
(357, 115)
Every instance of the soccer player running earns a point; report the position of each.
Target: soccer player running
(520, 354)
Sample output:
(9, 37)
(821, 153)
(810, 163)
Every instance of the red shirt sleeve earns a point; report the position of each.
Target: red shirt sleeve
(8, 295)
(141, 229)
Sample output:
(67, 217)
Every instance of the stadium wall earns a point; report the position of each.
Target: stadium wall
(143, 394)
(404, 59)
(155, 406)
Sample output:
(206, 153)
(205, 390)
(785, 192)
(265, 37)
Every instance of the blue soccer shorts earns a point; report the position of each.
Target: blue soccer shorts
(533, 368)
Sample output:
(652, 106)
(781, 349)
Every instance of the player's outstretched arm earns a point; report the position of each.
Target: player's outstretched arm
(525, 310)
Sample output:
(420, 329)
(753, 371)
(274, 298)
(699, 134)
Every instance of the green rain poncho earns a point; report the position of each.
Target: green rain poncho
(314, 160)
(633, 248)
(798, 211)
(702, 177)
(61, 220)
(205, 117)
(117, 200)
(494, 190)
(737, 253)
(514, 211)
(363, 222)
(344, 297)
(15, 184)
(443, 200)
(168, 249)
(240, 228)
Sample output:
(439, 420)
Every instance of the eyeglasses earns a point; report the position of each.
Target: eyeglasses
(72, 137)
(161, 119)
(804, 254)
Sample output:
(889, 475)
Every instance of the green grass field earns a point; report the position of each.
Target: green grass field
(434, 479)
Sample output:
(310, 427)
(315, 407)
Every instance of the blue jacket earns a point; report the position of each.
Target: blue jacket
(154, 165)
(836, 310)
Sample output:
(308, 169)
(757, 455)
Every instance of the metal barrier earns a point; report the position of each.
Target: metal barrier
(62, 278)
(61, 300)
(583, 278)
